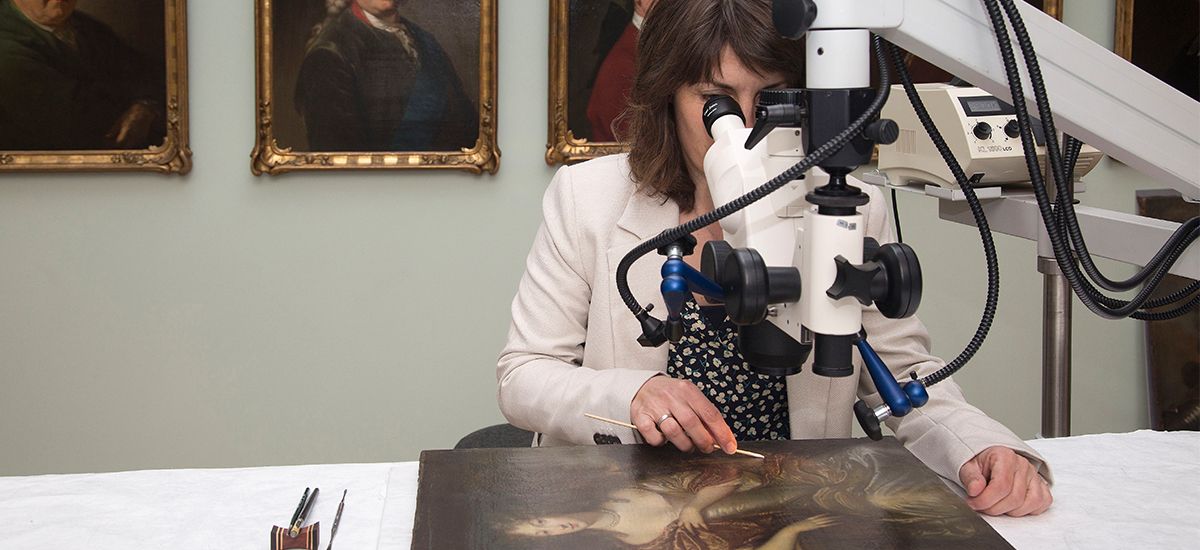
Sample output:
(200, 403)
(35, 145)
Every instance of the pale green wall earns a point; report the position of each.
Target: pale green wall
(226, 320)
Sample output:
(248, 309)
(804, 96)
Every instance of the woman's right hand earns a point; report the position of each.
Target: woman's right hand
(694, 422)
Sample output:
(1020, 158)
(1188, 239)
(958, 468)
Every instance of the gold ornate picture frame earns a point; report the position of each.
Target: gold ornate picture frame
(303, 47)
(567, 144)
(113, 34)
(592, 21)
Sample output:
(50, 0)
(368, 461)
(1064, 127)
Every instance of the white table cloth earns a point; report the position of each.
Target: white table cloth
(1136, 490)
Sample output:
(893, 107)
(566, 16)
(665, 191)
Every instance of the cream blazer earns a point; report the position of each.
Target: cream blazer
(572, 346)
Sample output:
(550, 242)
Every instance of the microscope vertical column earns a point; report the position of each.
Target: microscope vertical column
(838, 59)
(837, 91)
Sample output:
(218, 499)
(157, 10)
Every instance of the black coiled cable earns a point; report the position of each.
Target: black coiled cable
(985, 232)
(819, 154)
(1064, 213)
(1049, 217)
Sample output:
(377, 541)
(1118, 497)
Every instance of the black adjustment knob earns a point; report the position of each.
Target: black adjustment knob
(868, 421)
(882, 131)
(775, 108)
(780, 96)
(862, 282)
(793, 18)
(1012, 130)
(686, 244)
(744, 279)
(983, 130)
(653, 330)
(712, 259)
(902, 293)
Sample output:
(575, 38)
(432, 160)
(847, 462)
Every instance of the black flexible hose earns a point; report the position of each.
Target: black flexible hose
(1049, 219)
(819, 154)
(1062, 178)
(1169, 314)
(896, 214)
(985, 232)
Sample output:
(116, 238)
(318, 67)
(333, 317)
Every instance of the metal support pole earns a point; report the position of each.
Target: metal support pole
(1056, 350)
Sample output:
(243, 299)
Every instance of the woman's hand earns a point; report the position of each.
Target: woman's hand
(694, 423)
(811, 524)
(1001, 482)
(785, 539)
(690, 518)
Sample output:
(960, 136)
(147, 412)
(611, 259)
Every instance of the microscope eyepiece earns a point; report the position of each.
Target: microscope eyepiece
(719, 106)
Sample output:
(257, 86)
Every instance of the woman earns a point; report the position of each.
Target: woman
(572, 345)
(680, 510)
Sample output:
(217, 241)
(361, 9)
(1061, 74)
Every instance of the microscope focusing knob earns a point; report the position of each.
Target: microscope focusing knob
(750, 286)
(744, 278)
(903, 281)
(882, 131)
(712, 259)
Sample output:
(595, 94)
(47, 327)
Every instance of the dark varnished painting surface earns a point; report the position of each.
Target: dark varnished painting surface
(806, 494)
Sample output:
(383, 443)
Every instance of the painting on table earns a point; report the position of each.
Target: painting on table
(805, 494)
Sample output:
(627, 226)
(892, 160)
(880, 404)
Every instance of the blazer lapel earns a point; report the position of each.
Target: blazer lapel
(643, 218)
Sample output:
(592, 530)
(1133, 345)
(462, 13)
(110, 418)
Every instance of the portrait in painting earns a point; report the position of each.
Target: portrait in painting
(91, 76)
(593, 52)
(1163, 38)
(593, 49)
(805, 494)
(360, 78)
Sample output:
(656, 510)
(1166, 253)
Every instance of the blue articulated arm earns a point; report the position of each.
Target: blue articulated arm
(898, 399)
(679, 282)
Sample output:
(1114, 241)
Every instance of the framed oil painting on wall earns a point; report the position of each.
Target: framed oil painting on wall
(592, 53)
(94, 85)
(376, 84)
(1163, 38)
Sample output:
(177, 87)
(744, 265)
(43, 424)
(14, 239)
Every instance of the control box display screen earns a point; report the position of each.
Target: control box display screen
(985, 106)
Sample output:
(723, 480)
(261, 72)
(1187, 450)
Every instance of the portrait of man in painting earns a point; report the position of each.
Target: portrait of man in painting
(603, 50)
(376, 75)
(593, 53)
(79, 75)
(823, 494)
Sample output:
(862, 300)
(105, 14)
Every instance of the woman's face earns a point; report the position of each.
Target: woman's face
(731, 78)
(379, 8)
(547, 526)
(50, 13)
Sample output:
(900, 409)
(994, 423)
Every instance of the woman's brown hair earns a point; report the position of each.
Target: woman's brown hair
(680, 44)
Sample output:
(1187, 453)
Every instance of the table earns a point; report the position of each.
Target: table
(1135, 490)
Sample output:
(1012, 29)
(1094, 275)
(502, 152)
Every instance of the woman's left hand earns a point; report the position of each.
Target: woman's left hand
(1001, 482)
(690, 518)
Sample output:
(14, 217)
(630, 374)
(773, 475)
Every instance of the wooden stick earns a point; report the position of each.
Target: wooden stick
(631, 426)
